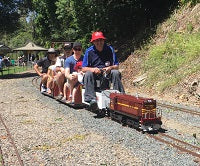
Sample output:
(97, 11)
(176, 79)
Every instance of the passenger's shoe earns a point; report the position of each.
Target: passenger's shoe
(59, 97)
(93, 105)
(63, 99)
(48, 90)
(69, 101)
(43, 88)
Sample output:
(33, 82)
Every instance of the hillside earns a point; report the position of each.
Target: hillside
(168, 66)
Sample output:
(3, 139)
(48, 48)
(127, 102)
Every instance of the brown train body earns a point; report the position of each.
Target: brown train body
(138, 111)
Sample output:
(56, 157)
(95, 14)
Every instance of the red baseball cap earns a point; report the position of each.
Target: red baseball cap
(97, 35)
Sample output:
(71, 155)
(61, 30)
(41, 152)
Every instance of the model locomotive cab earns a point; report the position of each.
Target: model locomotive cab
(149, 109)
(137, 111)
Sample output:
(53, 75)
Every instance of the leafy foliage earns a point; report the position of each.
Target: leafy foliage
(192, 2)
(8, 16)
(20, 36)
(119, 20)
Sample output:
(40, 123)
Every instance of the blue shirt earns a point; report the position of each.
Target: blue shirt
(94, 58)
(0, 63)
(70, 62)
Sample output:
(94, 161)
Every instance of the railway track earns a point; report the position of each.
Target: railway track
(162, 137)
(177, 108)
(179, 144)
(11, 142)
(20, 161)
(10, 139)
(35, 82)
(1, 157)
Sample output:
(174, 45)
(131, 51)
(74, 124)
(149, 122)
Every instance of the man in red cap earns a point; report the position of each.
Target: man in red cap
(100, 60)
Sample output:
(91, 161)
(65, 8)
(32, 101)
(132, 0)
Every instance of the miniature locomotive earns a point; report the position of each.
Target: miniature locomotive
(136, 112)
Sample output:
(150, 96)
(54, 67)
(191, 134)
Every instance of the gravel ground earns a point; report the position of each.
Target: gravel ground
(49, 133)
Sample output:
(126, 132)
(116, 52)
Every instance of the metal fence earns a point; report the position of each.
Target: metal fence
(15, 67)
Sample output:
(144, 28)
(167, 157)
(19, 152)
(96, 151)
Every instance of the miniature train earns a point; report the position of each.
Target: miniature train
(136, 112)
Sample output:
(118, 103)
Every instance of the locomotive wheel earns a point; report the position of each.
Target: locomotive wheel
(101, 113)
(131, 126)
(111, 115)
(123, 121)
(107, 113)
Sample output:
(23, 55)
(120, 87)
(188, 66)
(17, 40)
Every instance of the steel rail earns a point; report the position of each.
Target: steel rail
(1, 157)
(179, 109)
(35, 83)
(12, 141)
(176, 146)
(35, 79)
(175, 139)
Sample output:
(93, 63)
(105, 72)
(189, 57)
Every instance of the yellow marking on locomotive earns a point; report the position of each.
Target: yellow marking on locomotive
(149, 111)
(144, 111)
(127, 105)
(122, 104)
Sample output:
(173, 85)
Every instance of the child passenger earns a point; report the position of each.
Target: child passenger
(78, 71)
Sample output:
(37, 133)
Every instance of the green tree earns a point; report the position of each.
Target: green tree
(45, 21)
(9, 15)
(122, 21)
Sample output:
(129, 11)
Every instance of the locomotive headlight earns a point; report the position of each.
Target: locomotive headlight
(148, 101)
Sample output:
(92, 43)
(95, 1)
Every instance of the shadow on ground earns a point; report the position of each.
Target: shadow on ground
(18, 75)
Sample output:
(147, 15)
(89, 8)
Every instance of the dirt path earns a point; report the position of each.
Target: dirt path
(48, 133)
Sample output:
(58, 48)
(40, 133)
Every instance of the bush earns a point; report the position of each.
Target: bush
(192, 2)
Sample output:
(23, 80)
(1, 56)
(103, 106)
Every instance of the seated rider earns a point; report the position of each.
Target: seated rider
(70, 73)
(79, 73)
(60, 71)
(51, 74)
(1, 63)
(45, 63)
(99, 57)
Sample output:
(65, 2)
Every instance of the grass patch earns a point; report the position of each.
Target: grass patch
(44, 147)
(26, 122)
(173, 60)
(58, 119)
(15, 69)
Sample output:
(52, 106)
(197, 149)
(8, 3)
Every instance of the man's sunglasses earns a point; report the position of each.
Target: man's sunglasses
(52, 53)
(67, 49)
(77, 49)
